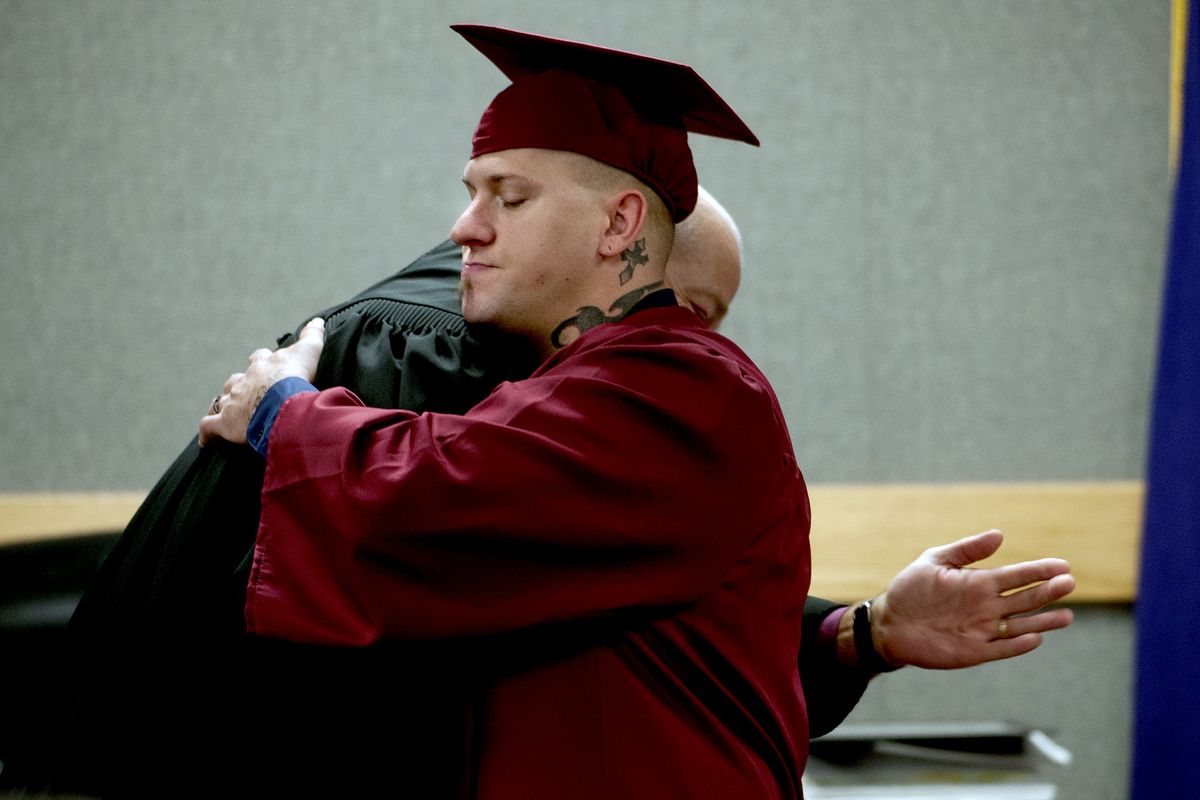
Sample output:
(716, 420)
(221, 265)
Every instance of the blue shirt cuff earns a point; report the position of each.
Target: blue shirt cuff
(259, 432)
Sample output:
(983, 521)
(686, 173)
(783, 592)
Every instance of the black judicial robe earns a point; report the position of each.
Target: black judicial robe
(175, 699)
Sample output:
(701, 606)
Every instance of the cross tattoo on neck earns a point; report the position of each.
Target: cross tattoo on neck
(633, 257)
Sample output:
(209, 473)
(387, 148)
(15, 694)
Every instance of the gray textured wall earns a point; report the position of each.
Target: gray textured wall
(954, 231)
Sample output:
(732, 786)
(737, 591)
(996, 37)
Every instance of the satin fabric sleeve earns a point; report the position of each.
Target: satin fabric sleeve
(625, 477)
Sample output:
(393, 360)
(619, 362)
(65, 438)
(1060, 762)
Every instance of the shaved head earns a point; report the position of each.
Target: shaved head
(705, 267)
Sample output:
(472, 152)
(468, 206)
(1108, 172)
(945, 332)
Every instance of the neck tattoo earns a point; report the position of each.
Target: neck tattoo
(591, 316)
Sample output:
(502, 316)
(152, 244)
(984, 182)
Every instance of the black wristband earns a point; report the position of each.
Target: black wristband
(869, 659)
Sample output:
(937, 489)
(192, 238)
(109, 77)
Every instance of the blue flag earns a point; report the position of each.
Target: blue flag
(1166, 759)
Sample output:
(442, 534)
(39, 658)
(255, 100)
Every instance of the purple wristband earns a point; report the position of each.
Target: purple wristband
(827, 633)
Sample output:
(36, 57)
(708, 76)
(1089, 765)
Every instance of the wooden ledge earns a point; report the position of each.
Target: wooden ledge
(862, 534)
(26, 516)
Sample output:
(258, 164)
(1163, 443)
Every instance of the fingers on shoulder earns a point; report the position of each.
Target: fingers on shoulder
(314, 327)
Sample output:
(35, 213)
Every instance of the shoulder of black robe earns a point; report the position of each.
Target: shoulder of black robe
(159, 632)
(403, 343)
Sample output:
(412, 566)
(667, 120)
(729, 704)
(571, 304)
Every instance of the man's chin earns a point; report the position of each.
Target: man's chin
(465, 296)
(478, 320)
(470, 303)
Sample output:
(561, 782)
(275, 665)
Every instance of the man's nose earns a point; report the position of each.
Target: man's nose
(471, 227)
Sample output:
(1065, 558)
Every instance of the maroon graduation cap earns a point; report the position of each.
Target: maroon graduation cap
(626, 110)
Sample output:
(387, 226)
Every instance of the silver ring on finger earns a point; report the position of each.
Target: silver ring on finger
(215, 406)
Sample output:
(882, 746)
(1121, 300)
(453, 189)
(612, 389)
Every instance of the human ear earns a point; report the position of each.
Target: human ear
(626, 217)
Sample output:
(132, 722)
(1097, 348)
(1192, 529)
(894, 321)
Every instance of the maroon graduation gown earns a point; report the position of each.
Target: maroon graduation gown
(625, 533)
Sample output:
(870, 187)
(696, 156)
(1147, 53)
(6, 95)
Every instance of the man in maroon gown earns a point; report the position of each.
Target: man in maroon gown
(628, 526)
(626, 530)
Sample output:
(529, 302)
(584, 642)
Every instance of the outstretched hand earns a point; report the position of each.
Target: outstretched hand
(939, 613)
(230, 413)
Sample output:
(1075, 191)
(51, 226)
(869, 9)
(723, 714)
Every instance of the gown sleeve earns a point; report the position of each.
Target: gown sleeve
(627, 477)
